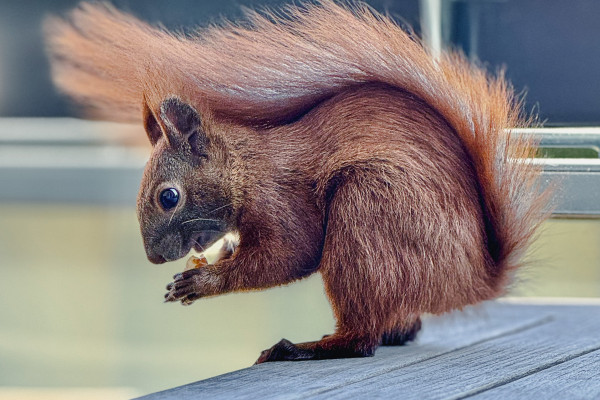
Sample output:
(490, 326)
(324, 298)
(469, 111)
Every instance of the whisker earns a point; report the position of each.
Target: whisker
(200, 219)
(202, 247)
(218, 208)
(172, 215)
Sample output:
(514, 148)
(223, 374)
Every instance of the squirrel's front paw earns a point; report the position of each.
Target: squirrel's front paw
(190, 285)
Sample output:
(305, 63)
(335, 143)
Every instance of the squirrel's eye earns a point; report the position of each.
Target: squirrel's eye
(169, 198)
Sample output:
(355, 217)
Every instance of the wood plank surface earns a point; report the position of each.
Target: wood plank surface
(574, 379)
(481, 351)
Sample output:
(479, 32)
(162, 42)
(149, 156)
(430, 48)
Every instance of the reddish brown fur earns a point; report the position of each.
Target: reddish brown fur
(334, 142)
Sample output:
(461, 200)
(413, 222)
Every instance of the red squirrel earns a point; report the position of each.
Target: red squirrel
(329, 140)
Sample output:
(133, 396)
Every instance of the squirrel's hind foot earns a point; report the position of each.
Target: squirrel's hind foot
(332, 346)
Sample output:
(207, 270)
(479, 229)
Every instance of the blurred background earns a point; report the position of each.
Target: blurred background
(81, 310)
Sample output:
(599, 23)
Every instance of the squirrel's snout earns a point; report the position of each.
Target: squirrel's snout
(166, 248)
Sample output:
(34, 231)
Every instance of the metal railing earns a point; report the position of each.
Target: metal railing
(577, 180)
(65, 160)
(76, 161)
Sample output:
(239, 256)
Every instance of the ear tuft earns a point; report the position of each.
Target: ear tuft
(151, 125)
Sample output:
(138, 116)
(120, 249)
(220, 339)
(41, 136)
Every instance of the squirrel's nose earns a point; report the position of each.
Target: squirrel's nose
(156, 258)
(153, 253)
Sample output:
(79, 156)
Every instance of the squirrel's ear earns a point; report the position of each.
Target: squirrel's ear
(151, 125)
(182, 124)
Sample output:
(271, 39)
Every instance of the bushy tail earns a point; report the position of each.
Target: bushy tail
(276, 65)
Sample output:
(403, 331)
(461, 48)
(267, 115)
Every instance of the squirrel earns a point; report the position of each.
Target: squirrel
(330, 140)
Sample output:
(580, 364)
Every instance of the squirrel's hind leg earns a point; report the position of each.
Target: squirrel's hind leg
(360, 271)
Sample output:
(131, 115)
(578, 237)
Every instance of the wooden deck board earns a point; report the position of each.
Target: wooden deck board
(482, 351)
(574, 379)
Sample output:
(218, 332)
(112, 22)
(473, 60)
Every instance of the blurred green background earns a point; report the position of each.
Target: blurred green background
(81, 307)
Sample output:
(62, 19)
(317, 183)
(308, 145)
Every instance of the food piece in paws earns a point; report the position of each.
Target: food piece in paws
(195, 262)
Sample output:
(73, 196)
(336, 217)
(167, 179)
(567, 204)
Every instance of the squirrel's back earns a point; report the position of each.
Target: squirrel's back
(273, 69)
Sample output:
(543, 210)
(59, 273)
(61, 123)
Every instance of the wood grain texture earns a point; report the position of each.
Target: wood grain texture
(493, 350)
(477, 368)
(574, 379)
